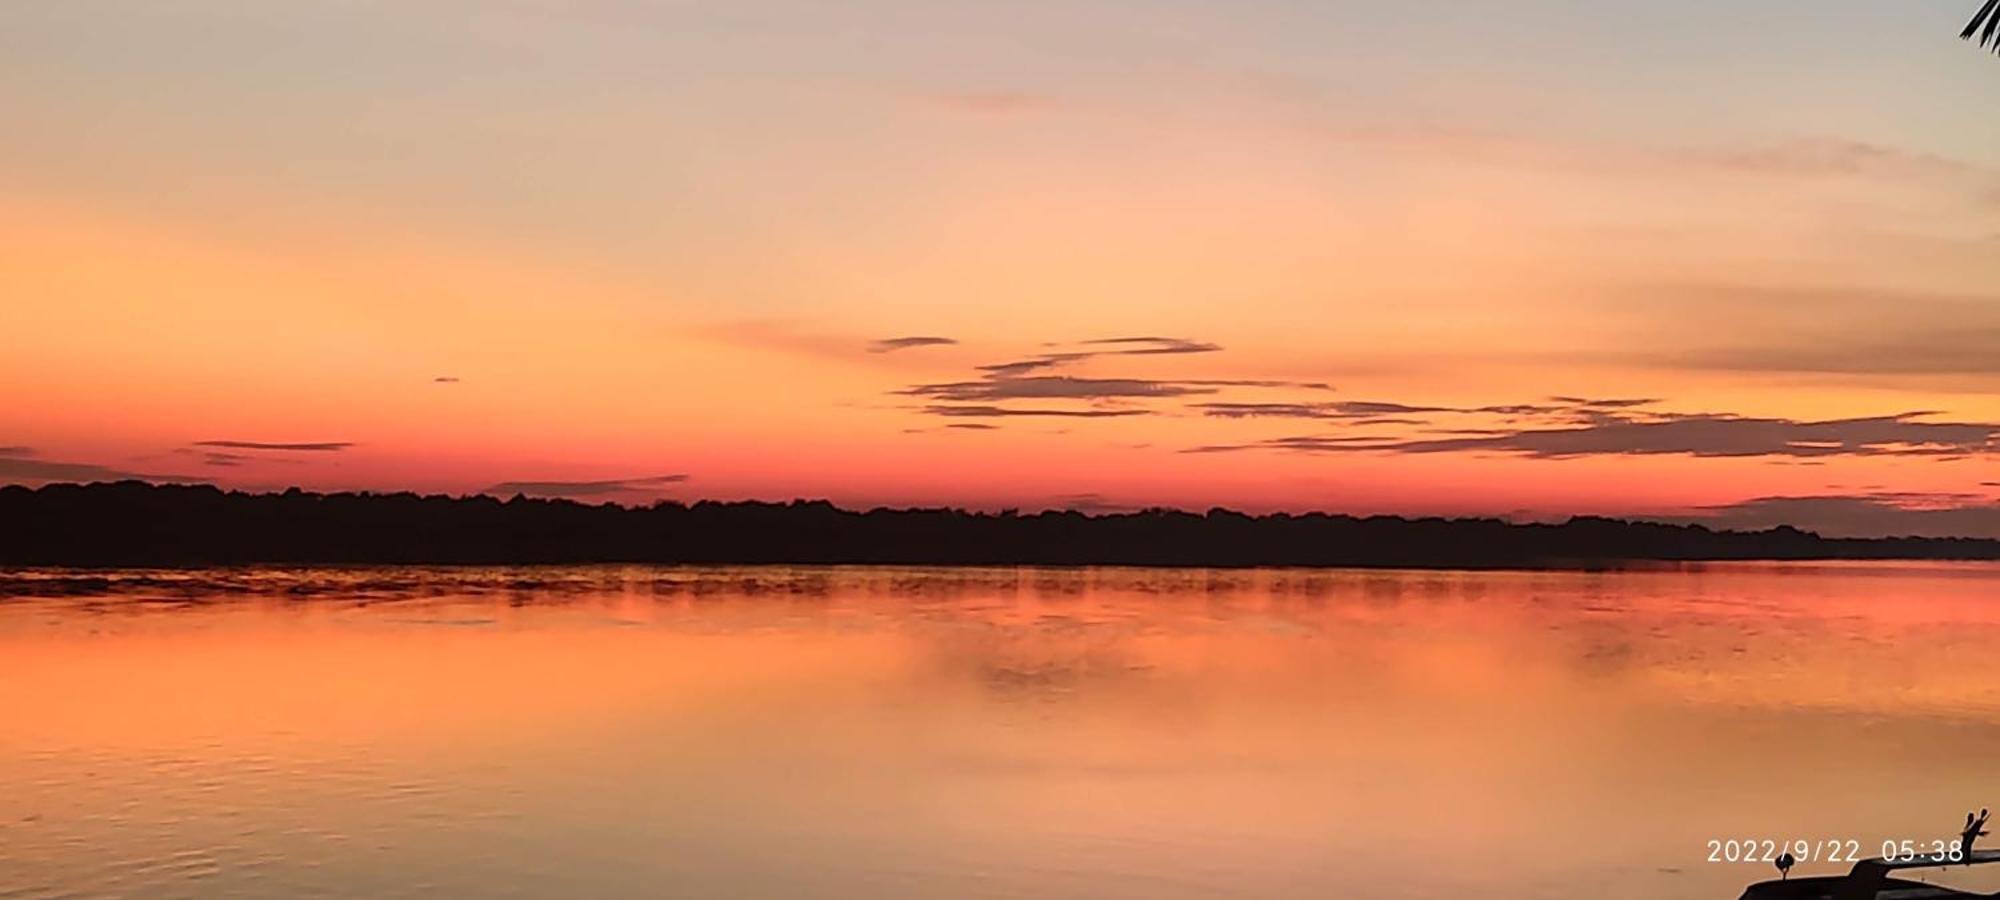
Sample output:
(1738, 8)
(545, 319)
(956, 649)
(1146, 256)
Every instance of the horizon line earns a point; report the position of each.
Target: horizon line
(1555, 521)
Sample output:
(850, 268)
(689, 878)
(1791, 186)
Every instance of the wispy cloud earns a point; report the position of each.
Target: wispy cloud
(891, 345)
(307, 446)
(1856, 331)
(998, 412)
(1301, 444)
(1107, 396)
(1114, 346)
(1871, 514)
(1616, 403)
(1701, 435)
(1563, 408)
(1090, 503)
(21, 464)
(445, 379)
(1940, 350)
(1065, 387)
(1356, 409)
(584, 488)
(1152, 346)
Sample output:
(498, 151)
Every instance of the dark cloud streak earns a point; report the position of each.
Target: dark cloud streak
(1701, 435)
(891, 345)
(22, 464)
(997, 412)
(308, 446)
(1054, 387)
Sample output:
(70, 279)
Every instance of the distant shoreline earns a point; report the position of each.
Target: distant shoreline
(131, 523)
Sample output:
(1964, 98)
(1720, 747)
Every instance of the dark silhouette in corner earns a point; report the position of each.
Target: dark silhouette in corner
(1985, 26)
(132, 523)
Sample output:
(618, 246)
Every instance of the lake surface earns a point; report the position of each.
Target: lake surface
(884, 733)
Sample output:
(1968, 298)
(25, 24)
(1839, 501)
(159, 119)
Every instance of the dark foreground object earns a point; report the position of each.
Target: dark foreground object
(1872, 879)
(136, 524)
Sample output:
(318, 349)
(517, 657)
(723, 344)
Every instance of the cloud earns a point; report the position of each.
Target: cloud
(1070, 387)
(1024, 366)
(1270, 410)
(1702, 435)
(1841, 331)
(973, 426)
(583, 488)
(1570, 408)
(1154, 346)
(1300, 443)
(1120, 346)
(1258, 383)
(312, 446)
(1605, 404)
(1355, 409)
(445, 379)
(1007, 381)
(20, 464)
(891, 345)
(1090, 503)
(1730, 435)
(1873, 514)
(995, 412)
(1943, 351)
(223, 459)
(1065, 387)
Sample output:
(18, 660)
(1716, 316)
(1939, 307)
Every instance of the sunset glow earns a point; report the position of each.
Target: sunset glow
(1266, 254)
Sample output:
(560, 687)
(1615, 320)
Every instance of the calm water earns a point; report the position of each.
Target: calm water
(888, 733)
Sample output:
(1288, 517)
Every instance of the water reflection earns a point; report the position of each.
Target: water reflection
(978, 732)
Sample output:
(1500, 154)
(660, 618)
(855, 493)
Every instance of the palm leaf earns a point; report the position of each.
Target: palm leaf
(1985, 26)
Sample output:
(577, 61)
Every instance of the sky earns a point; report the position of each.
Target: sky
(1711, 260)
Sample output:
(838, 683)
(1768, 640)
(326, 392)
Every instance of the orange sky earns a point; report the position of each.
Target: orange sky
(574, 251)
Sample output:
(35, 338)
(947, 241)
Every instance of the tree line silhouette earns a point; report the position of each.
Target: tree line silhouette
(132, 523)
